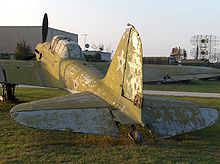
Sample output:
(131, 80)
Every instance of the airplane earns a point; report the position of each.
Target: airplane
(153, 73)
(97, 105)
(174, 73)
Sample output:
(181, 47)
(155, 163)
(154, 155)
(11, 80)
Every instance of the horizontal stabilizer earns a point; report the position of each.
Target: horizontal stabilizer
(169, 117)
(81, 112)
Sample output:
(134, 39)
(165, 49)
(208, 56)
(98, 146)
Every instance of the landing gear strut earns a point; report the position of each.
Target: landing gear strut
(8, 92)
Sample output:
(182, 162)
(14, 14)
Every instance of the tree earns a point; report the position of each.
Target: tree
(23, 50)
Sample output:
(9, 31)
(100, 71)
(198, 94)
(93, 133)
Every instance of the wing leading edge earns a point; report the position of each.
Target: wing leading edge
(82, 112)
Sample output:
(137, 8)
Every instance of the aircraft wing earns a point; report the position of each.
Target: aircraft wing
(27, 73)
(82, 112)
(168, 73)
(174, 73)
(168, 117)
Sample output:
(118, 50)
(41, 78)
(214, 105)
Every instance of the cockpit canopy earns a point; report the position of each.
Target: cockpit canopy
(66, 48)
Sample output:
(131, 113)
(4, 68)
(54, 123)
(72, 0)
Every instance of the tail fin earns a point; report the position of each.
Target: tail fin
(124, 76)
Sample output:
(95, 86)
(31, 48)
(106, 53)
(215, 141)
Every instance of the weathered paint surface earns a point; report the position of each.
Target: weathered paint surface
(90, 120)
(82, 112)
(169, 117)
(132, 82)
(117, 97)
(77, 75)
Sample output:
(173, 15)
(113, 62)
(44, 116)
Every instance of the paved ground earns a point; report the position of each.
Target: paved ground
(155, 92)
(174, 93)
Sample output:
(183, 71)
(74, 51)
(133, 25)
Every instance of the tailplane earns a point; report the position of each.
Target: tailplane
(124, 76)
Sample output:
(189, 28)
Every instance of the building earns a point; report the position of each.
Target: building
(155, 60)
(97, 56)
(9, 35)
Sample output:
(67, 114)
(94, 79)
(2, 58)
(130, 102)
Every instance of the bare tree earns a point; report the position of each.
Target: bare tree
(98, 47)
(101, 47)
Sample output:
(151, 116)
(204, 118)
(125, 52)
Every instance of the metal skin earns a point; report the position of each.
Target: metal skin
(101, 102)
(77, 75)
(169, 117)
(121, 90)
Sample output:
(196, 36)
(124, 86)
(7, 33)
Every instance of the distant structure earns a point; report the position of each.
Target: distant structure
(9, 35)
(155, 60)
(97, 56)
(206, 48)
(177, 55)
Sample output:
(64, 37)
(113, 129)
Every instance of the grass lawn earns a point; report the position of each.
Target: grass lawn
(193, 86)
(24, 145)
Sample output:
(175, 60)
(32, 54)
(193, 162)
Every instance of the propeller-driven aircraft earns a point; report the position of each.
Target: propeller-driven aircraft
(96, 105)
(153, 73)
(174, 73)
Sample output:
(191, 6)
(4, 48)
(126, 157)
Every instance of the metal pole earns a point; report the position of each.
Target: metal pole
(85, 35)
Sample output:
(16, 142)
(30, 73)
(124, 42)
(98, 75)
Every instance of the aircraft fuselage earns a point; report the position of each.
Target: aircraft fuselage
(77, 76)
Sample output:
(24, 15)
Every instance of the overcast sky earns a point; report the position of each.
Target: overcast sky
(162, 24)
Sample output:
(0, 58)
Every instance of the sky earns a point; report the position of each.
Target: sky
(162, 24)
